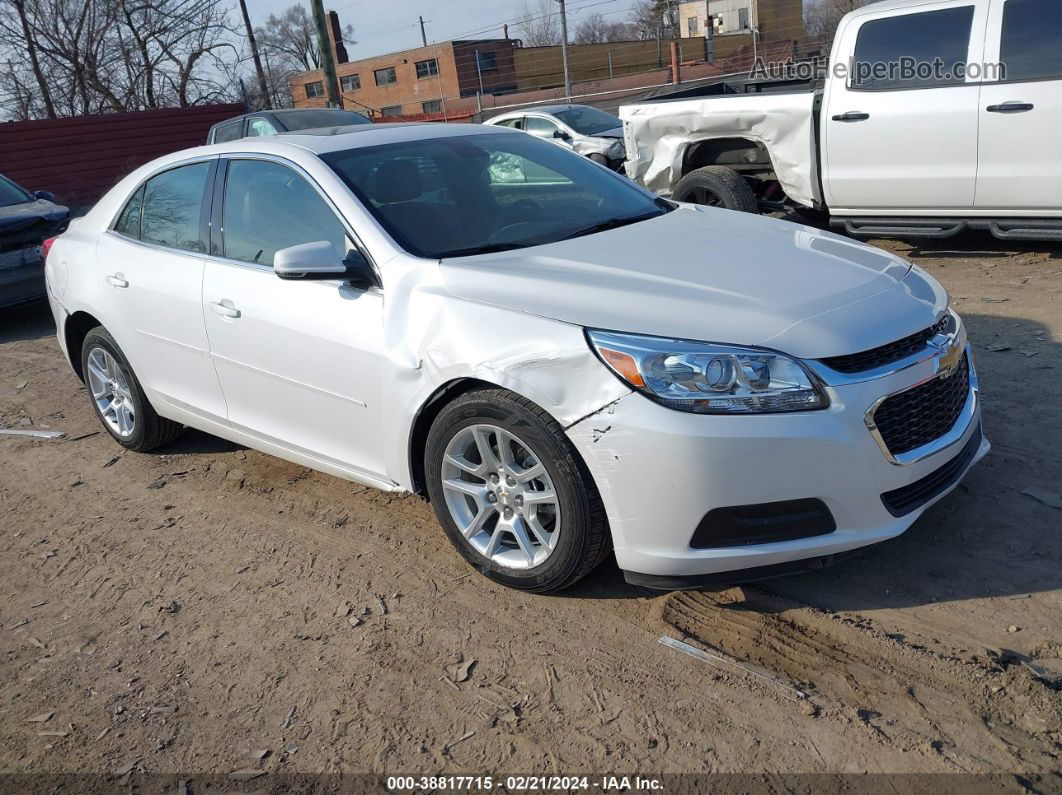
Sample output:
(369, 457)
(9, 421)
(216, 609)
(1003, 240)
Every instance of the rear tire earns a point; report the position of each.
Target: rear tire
(111, 382)
(716, 186)
(540, 562)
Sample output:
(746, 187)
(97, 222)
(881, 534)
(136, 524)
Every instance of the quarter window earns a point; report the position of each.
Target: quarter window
(923, 50)
(173, 206)
(128, 222)
(428, 68)
(259, 126)
(269, 207)
(350, 83)
(228, 132)
(315, 89)
(386, 77)
(1031, 45)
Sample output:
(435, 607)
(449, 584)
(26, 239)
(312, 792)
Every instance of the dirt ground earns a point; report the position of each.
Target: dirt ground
(192, 611)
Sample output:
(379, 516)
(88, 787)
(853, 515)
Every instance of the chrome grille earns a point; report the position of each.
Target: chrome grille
(918, 416)
(886, 354)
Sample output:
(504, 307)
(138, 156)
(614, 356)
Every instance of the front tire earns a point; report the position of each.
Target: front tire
(716, 186)
(512, 494)
(118, 398)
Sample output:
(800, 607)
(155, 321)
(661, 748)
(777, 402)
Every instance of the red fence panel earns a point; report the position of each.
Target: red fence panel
(80, 158)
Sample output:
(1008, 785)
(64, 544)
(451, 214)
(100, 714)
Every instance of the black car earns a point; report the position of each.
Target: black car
(271, 122)
(26, 221)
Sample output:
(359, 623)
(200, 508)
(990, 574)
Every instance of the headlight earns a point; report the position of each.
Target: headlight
(709, 379)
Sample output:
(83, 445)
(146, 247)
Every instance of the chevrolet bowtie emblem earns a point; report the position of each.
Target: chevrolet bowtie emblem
(951, 352)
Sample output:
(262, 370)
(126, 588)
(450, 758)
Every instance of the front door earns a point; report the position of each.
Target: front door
(150, 271)
(300, 362)
(1019, 166)
(900, 131)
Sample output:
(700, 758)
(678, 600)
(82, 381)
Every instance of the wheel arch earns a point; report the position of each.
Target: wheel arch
(75, 329)
(747, 154)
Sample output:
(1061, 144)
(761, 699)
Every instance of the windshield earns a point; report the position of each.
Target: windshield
(472, 194)
(588, 121)
(10, 193)
(312, 119)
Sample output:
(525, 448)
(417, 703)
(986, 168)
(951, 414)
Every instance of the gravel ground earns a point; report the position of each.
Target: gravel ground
(209, 609)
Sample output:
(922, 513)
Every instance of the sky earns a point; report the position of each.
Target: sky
(382, 26)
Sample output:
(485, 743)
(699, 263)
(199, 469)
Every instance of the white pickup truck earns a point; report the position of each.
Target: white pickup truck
(932, 117)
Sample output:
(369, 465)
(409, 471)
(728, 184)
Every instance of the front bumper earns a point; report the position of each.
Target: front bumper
(660, 471)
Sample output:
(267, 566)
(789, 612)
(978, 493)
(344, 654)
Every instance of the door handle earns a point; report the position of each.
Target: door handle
(117, 280)
(224, 308)
(852, 115)
(1010, 107)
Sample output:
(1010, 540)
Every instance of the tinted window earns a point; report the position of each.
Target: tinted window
(1031, 46)
(913, 50)
(173, 203)
(128, 222)
(470, 194)
(269, 207)
(10, 193)
(228, 132)
(312, 119)
(259, 126)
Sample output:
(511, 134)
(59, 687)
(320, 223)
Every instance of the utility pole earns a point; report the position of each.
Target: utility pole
(564, 52)
(423, 35)
(328, 61)
(262, 85)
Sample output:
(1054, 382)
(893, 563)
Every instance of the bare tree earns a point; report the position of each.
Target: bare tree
(821, 18)
(255, 57)
(596, 28)
(655, 19)
(539, 23)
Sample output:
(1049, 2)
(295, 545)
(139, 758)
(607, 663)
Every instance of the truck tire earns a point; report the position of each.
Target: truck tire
(716, 186)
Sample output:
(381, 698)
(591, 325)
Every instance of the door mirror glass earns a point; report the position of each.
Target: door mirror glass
(320, 260)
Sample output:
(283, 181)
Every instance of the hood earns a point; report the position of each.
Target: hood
(713, 275)
(615, 132)
(601, 143)
(31, 222)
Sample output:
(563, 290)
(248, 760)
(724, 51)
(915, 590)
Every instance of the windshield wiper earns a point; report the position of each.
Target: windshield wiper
(612, 223)
(490, 248)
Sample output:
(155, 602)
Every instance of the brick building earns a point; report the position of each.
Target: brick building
(416, 81)
(734, 20)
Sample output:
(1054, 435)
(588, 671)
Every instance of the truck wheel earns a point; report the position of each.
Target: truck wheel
(716, 186)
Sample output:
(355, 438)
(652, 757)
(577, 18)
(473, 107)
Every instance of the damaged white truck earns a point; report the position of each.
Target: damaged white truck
(932, 118)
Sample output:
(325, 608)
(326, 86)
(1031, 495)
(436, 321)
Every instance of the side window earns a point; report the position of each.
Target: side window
(128, 222)
(173, 205)
(923, 50)
(269, 207)
(1031, 43)
(228, 132)
(543, 128)
(259, 126)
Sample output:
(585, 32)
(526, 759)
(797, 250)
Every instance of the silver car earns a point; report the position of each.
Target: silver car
(586, 130)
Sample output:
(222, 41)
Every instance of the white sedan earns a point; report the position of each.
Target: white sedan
(566, 365)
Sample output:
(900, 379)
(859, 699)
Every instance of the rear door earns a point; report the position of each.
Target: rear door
(900, 130)
(1019, 162)
(150, 270)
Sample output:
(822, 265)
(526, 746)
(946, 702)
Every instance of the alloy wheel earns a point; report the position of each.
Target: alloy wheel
(501, 497)
(109, 385)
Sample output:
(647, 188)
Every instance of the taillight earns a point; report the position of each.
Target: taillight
(46, 246)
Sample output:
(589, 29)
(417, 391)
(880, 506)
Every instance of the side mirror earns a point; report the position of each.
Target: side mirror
(320, 261)
(560, 134)
(46, 195)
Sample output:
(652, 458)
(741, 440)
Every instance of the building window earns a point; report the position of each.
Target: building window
(488, 61)
(315, 89)
(743, 18)
(693, 26)
(432, 106)
(350, 83)
(429, 68)
(391, 110)
(386, 77)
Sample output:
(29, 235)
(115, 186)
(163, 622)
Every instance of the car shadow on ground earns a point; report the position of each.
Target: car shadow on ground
(26, 322)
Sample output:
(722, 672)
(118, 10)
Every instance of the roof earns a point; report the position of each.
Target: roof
(333, 139)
